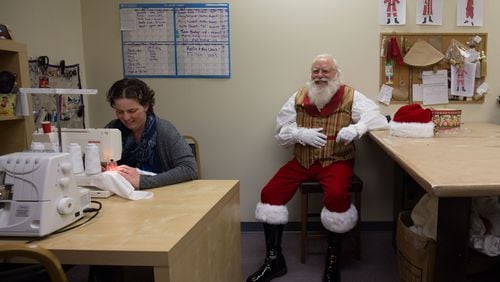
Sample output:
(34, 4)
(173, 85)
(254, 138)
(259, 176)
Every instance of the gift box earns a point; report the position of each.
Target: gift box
(446, 118)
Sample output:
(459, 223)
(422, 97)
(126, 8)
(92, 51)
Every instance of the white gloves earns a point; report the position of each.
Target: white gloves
(312, 137)
(347, 134)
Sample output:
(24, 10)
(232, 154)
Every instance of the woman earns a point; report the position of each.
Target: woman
(148, 143)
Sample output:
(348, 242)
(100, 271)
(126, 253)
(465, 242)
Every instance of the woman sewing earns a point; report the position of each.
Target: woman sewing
(149, 143)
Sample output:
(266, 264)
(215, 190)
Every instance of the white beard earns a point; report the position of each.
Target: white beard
(321, 96)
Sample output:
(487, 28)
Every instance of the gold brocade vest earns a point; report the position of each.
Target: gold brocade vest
(333, 117)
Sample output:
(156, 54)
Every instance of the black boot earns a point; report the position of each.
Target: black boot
(274, 263)
(425, 20)
(388, 21)
(332, 261)
(430, 19)
(396, 20)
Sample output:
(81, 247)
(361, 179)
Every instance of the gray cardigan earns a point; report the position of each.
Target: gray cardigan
(177, 159)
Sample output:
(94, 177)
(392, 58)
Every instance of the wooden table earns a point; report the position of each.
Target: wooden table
(187, 232)
(455, 166)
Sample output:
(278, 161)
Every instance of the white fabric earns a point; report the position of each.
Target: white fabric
(112, 181)
(339, 222)
(312, 137)
(424, 216)
(411, 129)
(365, 114)
(485, 210)
(271, 214)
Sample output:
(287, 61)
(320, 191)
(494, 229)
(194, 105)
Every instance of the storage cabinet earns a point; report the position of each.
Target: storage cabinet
(15, 131)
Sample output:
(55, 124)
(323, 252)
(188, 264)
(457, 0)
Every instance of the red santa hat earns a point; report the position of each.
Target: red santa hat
(412, 121)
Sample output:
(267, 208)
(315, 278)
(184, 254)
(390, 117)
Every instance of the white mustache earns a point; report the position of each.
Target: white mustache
(320, 80)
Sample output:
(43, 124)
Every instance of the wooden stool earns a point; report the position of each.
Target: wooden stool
(311, 186)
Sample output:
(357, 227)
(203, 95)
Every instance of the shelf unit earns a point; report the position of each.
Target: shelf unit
(16, 131)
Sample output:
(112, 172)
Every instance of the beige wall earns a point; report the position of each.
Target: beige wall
(272, 45)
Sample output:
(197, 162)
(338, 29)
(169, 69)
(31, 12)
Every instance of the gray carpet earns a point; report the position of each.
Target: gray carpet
(377, 264)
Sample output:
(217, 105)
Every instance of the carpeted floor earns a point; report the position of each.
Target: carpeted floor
(377, 264)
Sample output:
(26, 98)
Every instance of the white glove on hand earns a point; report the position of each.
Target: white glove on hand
(312, 137)
(346, 135)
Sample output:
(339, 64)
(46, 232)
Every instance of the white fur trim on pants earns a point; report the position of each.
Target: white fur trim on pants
(339, 222)
(271, 214)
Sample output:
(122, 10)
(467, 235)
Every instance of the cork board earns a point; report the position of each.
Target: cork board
(404, 76)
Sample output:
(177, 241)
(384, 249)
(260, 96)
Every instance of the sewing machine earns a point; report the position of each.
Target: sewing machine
(108, 139)
(38, 193)
(109, 143)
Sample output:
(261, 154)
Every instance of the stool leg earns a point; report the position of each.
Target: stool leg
(304, 202)
(357, 228)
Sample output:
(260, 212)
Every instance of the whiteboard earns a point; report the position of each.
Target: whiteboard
(175, 40)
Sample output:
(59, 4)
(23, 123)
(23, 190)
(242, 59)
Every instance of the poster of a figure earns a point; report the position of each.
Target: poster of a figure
(462, 79)
(470, 12)
(392, 12)
(429, 12)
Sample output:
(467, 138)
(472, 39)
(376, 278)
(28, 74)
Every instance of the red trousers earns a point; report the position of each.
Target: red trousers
(335, 180)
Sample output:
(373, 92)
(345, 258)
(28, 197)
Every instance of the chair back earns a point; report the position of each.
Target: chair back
(196, 151)
(43, 256)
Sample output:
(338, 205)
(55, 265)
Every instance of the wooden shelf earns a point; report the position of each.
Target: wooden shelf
(16, 130)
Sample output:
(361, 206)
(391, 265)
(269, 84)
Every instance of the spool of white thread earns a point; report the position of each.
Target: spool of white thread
(37, 147)
(92, 159)
(75, 152)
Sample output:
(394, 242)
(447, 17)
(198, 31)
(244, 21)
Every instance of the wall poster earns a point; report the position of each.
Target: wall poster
(175, 40)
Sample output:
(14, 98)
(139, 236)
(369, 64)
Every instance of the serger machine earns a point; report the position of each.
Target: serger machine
(38, 193)
(108, 139)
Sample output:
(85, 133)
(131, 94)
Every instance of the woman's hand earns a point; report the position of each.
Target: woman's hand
(130, 173)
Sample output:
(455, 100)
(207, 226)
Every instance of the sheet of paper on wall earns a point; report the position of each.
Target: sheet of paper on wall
(435, 87)
(417, 92)
(462, 79)
(385, 94)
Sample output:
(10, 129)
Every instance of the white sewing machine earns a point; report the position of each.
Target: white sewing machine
(108, 139)
(38, 193)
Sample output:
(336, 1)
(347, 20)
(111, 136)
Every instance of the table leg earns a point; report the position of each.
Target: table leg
(452, 239)
(161, 273)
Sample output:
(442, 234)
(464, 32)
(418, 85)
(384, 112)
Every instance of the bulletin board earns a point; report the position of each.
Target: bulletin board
(175, 40)
(405, 76)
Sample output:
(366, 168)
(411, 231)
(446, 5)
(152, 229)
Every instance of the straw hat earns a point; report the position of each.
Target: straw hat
(422, 54)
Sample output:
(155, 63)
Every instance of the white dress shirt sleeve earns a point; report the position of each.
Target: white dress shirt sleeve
(286, 124)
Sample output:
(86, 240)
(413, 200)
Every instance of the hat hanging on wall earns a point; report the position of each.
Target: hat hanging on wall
(422, 54)
(412, 121)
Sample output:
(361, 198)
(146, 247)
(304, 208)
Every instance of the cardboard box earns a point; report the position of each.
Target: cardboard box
(446, 118)
(416, 254)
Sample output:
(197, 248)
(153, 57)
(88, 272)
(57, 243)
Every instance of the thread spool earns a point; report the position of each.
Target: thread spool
(37, 147)
(75, 152)
(92, 159)
(46, 127)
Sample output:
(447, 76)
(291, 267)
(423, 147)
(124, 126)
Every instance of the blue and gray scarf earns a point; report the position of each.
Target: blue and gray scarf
(141, 155)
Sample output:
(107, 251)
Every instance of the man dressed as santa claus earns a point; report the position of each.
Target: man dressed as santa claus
(321, 120)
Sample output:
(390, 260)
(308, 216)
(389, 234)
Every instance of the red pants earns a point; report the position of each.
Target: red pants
(335, 180)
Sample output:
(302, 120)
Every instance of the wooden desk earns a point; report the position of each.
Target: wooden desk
(187, 232)
(455, 165)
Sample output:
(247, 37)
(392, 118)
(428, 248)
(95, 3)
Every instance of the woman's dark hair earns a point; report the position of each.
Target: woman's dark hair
(132, 88)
